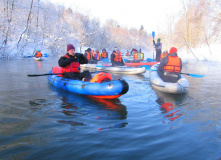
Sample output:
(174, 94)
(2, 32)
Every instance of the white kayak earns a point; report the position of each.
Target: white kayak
(38, 58)
(181, 86)
(119, 69)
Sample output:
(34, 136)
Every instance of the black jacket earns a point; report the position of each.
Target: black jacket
(64, 61)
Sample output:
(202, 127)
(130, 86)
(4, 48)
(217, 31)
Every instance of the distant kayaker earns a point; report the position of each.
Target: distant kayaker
(164, 54)
(141, 55)
(170, 67)
(135, 56)
(104, 54)
(88, 55)
(38, 53)
(70, 64)
(116, 58)
(158, 47)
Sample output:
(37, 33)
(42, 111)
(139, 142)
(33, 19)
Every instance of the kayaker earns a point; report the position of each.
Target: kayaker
(38, 53)
(158, 47)
(116, 58)
(98, 54)
(164, 54)
(140, 55)
(170, 67)
(135, 56)
(104, 54)
(70, 64)
(88, 55)
(94, 56)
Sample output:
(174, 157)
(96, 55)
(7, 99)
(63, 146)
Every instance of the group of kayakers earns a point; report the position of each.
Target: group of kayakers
(169, 68)
(94, 56)
(137, 55)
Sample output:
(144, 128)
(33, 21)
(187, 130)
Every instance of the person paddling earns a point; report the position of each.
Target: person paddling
(70, 64)
(170, 67)
(38, 53)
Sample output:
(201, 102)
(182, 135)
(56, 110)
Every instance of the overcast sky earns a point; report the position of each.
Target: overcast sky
(131, 13)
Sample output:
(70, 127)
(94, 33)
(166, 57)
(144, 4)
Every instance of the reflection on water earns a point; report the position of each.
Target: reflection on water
(105, 109)
(171, 105)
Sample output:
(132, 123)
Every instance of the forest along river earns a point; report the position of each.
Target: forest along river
(38, 121)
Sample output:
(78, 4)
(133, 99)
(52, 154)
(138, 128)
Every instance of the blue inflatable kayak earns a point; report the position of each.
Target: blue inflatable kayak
(108, 90)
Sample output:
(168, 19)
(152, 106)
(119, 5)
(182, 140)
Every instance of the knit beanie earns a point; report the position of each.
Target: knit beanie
(69, 47)
(173, 50)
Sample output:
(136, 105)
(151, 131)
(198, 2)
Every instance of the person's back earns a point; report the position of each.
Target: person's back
(170, 67)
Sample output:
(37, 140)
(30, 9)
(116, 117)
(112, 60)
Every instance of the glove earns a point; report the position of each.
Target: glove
(79, 55)
(74, 58)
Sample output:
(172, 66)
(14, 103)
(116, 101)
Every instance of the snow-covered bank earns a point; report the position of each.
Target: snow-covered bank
(203, 53)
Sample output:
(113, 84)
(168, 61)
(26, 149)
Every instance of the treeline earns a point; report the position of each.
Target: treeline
(27, 25)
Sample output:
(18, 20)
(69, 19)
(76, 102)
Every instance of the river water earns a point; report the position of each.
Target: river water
(38, 121)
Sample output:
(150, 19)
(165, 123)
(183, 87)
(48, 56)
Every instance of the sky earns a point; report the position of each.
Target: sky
(129, 13)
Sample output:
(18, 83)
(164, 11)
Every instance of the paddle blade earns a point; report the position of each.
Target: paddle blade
(147, 67)
(196, 75)
(153, 34)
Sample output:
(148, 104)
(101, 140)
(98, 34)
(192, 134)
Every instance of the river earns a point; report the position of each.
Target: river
(38, 121)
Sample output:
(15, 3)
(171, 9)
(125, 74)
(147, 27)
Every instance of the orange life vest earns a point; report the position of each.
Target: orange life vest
(94, 54)
(72, 67)
(88, 55)
(104, 54)
(135, 55)
(102, 76)
(173, 65)
(117, 57)
(38, 54)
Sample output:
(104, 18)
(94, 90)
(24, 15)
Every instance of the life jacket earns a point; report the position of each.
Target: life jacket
(141, 56)
(104, 54)
(94, 54)
(100, 77)
(173, 65)
(88, 55)
(117, 57)
(135, 56)
(72, 67)
(57, 69)
(38, 54)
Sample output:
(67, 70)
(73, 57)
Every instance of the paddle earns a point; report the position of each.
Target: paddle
(153, 35)
(35, 75)
(188, 74)
(194, 75)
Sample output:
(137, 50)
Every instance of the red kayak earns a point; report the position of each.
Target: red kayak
(140, 64)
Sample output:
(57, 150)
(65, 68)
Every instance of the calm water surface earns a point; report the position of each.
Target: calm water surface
(38, 121)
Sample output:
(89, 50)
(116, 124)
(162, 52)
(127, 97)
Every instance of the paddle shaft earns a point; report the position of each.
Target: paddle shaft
(47, 74)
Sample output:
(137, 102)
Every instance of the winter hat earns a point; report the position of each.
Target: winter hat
(158, 40)
(173, 50)
(69, 47)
